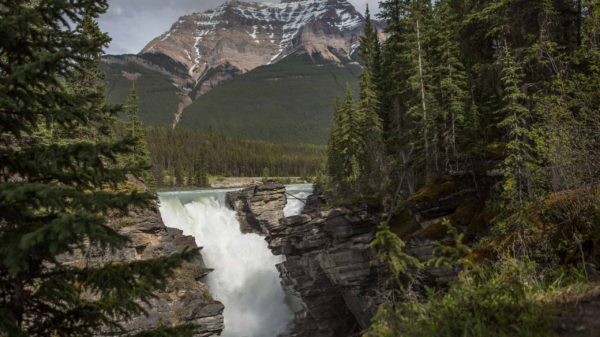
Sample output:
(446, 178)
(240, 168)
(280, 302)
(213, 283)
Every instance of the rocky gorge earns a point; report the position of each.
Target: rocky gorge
(327, 267)
(328, 262)
(330, 265)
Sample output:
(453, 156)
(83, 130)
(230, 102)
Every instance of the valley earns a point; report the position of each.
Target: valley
(300, 168)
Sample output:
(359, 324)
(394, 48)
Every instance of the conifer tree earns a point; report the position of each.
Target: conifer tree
(451, 81)
(518, 160)
(369, 109)
(370, 127)
(518, 164)
(55, 196)
(390, 82)
(334, 154)
(351, 140)
(407, 88)
(346, 145)
(370, 49)
(134, 128)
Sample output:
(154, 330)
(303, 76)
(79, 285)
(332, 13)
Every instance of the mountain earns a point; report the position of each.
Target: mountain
(253, 70)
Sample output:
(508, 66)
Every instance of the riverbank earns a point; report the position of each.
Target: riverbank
(233, 182)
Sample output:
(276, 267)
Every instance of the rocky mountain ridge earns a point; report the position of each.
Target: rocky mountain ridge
(203, 50)
(245, 35)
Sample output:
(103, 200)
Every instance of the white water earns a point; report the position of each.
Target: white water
(295, 203)
(244, 279)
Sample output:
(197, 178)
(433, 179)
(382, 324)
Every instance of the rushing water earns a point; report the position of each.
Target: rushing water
(244, 279)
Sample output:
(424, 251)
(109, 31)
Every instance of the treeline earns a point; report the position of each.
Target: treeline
(508, 90)
(182, 157)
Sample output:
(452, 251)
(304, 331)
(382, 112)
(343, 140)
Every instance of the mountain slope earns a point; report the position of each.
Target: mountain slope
(246, 35)
(242, 42)
(159, 97)
(287, 102)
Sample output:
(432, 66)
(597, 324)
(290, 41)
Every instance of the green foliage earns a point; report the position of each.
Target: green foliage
(356, 158)
(391, 257)
(287, 102)
(500, 302)
(266, 173)
(453, 254)
(486, 93)
(134, 128)
(518, 162)
(62, 178)
(158, 96)
(184, 156)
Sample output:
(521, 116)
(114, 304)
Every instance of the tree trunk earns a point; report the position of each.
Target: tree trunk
(423, 103)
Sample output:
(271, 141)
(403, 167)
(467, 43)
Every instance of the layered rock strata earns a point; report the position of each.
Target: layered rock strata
(186, 300)
(328, 259)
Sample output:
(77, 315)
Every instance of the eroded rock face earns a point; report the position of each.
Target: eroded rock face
(259, 208)
(186, 300)
(328, 259)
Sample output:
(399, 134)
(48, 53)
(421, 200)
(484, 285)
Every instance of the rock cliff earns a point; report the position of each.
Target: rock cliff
(328, 259)
(329, 262)
(186, 300)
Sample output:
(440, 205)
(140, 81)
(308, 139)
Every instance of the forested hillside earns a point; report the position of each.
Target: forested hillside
(183, 157)
(158, 96)
(286, 102)
(476, 131)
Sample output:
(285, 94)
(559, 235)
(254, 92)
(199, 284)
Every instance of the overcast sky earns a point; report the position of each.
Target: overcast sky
(133, 23)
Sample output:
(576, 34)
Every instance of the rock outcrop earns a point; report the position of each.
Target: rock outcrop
(328, 259)
(577, 315)
(259, 208)
(329, 262)
(186, 300)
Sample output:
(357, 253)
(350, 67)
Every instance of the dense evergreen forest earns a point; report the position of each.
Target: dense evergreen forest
(184, 157)
(69, 171)
(490, 109)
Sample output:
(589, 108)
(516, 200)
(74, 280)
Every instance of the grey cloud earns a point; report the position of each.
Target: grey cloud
(133, 23)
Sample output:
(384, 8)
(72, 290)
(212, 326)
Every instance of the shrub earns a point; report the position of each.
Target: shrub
(497, 303)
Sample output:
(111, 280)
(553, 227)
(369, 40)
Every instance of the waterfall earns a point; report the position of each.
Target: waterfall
(244, 279)
(295, 202)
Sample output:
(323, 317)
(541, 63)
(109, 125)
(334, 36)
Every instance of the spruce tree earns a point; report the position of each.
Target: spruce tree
(334, 154)
(518, 159)
(371, 127)
(134, 128)
(351, 141)
(407, 88)
(346, 145)
(518, 164)
(369, 45)
(56, 193)
(451, 78)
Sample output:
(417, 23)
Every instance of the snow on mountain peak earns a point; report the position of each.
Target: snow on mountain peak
(241, 36)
